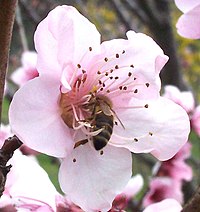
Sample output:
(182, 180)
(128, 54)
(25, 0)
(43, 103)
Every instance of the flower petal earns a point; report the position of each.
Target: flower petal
(188, 24)
(98, 177)
(64, 36)
(185, 5)
(161, 129)
(164, 206)
(35, 117)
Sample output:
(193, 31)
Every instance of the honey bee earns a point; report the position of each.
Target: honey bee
(102, 118)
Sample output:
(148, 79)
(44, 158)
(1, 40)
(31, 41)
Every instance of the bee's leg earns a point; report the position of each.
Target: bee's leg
(81, 142)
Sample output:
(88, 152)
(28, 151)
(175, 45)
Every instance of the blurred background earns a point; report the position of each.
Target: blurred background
(113, 18)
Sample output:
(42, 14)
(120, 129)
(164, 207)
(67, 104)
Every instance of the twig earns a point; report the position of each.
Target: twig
(194, 204)
(6, 152)
(7, 13)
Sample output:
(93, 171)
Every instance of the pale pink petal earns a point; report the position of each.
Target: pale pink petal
(35, 117)
(196, 120)
(188, 24)
(164, 206)
(161, 129)
(134, 185)
(29, 59)
(186, 5)
(185, 98)
(92, 179)
(64, 37)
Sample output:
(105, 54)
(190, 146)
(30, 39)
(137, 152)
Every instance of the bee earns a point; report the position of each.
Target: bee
(101, 119)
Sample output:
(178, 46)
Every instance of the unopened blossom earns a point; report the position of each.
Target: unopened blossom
(161, 188)
(164, 206)
(188, 24)
(92, 104)
(184, 98)
(27, 184)
(195, 121)
(28, 69)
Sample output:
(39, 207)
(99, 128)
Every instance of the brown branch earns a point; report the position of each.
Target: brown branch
(6, 152)
(194, 204)
(7, 13)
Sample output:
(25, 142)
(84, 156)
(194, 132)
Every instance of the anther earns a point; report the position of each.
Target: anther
(101, 89)
(129, 74)
(125, 88)
(135, 139)
(136, 90)
(101, 152)
(90, 48)
(104, 85)
(74, 160)
(100, 82)
(123, 51)
(83, 71)
(111, 70)
(116, 67)
(147, 84)
(78, 65)
(135, 78)
(117, 55)
(106, 59)
(150, 133)
(108, 91)
(132, 66)
(120, 87)
(116, 78)
(116, 123)
(106, 74)
(146, 106)
(111, 77)
(98, 72)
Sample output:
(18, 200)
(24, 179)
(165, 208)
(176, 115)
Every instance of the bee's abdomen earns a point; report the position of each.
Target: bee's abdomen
(104, 122)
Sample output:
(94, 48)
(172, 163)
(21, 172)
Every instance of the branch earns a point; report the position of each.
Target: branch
(6, 152)
(194, 204)
(7, 13)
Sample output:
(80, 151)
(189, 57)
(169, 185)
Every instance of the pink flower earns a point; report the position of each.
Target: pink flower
(162, 188)
(27, 186)
(176, 167)
(188, 24)
(27, 183)
(28, 70)
(164, 206)
(89, 93)
(184, 98)
(195, 121)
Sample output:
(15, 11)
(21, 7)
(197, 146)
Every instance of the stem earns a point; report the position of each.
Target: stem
(7, 13)
(6, 152)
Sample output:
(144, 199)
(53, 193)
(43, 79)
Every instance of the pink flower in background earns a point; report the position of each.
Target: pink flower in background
(195, 121)
(162, 188)
(88, 95)
(188, 24)
(27, 184)
(28, 69)
(176, 168)
(164, 206)
(184, 98)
